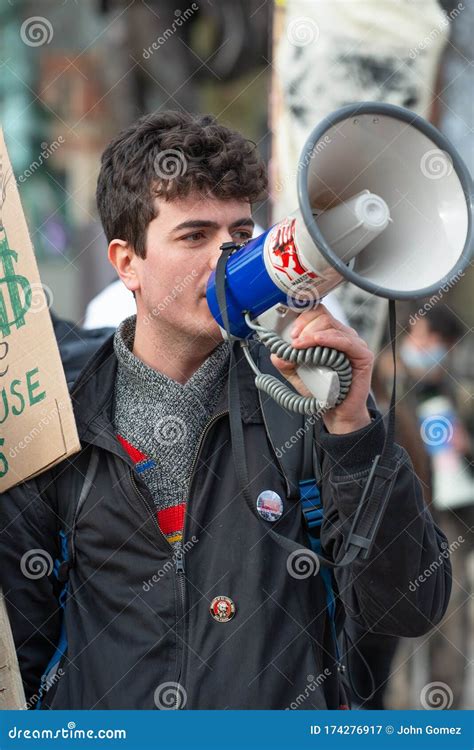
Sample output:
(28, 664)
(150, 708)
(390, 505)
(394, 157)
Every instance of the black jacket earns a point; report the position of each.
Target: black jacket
(137, 626)
(76, 344)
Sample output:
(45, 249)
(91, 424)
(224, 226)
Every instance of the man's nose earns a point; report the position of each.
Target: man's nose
(214, 258)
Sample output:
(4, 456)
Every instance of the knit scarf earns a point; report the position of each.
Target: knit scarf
(159, 422)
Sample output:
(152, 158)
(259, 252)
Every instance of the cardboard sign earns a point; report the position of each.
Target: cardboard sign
(37, 427)
(12, 696)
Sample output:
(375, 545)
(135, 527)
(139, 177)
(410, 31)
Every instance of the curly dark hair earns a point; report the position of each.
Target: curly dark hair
(169, 155)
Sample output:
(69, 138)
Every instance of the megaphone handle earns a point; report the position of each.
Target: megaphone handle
(321, 380)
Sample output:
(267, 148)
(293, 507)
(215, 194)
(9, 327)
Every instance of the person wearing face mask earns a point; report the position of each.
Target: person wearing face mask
(433, 389)
(427, 356)
(422, 360)
(427, 349)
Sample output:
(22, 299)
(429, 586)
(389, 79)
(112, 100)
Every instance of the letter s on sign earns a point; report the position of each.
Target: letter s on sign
(3, 461)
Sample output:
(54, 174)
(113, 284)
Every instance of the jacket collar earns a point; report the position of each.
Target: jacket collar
(92, 396)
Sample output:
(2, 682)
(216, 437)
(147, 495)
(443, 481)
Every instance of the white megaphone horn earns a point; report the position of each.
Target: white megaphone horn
(385, 202)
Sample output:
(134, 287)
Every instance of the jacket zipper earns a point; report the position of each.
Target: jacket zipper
(214, 419)
(179, 556)
(179, 565)
(180, 569)
(145, 502)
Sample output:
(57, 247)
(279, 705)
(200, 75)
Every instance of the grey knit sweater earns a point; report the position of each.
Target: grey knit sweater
(164, 419)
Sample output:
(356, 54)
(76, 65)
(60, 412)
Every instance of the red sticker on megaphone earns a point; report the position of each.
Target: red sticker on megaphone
(283, 260)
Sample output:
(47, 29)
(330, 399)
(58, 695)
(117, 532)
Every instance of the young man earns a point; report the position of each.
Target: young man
(177, 594)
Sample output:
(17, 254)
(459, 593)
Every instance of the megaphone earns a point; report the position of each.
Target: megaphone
(385, 202)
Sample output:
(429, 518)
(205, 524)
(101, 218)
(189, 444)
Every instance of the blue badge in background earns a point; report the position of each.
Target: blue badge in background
(269, 505)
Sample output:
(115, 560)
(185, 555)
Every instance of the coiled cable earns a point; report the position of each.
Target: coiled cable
(313, 357)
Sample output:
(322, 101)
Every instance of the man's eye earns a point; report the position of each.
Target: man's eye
(194, 237)
(244, 235)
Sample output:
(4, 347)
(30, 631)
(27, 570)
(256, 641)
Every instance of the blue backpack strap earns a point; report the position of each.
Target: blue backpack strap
(313, 513)
(61, 572)
(62, 566)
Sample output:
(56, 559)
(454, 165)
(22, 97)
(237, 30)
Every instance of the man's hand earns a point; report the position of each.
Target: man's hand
(319, 328)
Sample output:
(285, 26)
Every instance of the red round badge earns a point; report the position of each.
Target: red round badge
(222, 608)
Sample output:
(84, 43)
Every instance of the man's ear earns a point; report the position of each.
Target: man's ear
(124, 260)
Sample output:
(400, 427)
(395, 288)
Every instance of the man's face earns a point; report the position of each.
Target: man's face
(182, 249)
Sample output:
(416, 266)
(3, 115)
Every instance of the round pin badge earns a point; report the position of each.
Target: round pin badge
(269, 505)
(222, 608)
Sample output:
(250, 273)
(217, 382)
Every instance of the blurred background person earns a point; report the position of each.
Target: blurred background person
(427, 354)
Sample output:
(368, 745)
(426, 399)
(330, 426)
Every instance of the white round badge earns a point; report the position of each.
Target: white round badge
(269, 505)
